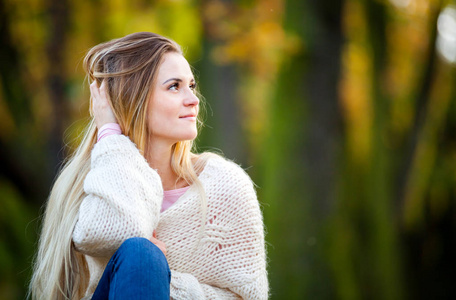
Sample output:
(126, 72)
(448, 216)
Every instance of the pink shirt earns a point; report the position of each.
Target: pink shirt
(169, 197)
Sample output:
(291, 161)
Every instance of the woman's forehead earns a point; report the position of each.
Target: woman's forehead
(174, 65)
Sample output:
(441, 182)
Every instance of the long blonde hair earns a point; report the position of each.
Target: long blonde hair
(129, 65)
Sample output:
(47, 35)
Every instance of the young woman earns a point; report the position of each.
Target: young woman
(134, 214)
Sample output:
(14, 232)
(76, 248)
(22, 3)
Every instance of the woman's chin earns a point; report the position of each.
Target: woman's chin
(189, 137)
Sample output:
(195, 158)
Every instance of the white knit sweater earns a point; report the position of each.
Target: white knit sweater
(124, 195)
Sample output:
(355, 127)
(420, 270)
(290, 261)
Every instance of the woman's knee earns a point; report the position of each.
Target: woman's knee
(142, 252)
(138, 266)
(136, 244)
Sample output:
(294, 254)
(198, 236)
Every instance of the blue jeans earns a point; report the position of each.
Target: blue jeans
(138, 270)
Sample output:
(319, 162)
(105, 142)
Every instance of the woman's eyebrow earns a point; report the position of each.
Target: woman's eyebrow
(171, 79)
(178, 80)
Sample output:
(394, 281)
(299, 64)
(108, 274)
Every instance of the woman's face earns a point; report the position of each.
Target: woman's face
(173, 106)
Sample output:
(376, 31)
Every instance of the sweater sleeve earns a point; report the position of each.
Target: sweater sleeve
(123, 198)
(186, 286)
(235, 263)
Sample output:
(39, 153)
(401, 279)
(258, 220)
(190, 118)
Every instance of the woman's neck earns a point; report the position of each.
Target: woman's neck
(159, 157)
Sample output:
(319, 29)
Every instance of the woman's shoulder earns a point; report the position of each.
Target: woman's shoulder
(224, 170)
(228, 186)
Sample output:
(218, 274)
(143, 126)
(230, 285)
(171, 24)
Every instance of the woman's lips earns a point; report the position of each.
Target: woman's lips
(189, 117)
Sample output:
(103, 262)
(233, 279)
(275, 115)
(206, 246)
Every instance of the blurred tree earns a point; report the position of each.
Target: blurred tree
(372, 251)
(17, 115)
(56, 78)
(219, 84)
(305, 133)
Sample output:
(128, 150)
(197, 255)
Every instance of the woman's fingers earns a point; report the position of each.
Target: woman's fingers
(159, 244)
(99, 95)
(102, 90)
(101, 107)
(94, 91)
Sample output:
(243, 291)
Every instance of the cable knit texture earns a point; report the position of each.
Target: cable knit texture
(225, 260)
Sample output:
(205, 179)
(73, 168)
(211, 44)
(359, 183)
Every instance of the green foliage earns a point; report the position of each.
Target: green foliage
(18, 235)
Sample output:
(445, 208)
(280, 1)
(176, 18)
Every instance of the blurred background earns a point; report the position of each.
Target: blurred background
(342, 111)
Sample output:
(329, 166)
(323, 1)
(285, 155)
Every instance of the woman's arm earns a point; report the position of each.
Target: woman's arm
(123, 199)
(123, 193)
(186, 286)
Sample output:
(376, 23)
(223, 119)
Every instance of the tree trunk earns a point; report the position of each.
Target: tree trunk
(59, 20)
(219, 83)
(306, 133)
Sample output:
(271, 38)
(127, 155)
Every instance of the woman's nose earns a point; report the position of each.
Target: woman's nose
(191, 99)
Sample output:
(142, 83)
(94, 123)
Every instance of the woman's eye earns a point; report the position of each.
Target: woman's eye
(174, 86)
(193, 86)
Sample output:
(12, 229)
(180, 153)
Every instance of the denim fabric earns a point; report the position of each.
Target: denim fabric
(138, 270)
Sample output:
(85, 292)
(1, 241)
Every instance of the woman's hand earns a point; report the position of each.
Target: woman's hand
(101, 107)
(158, 243)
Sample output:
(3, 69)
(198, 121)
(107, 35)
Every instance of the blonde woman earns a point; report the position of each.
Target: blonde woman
(134, 214)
